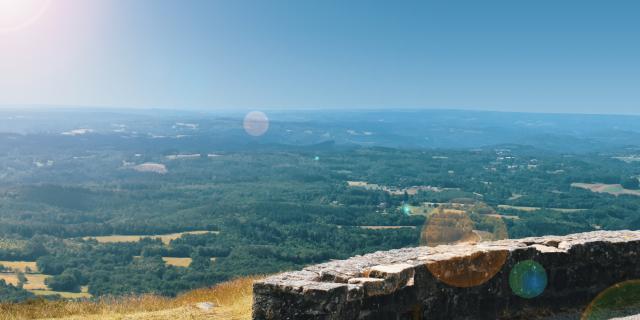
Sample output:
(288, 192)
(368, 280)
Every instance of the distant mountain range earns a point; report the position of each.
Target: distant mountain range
(448, 129)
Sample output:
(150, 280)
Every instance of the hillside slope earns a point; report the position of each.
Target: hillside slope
(231, 300)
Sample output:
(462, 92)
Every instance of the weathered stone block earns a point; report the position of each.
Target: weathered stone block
(411, 283)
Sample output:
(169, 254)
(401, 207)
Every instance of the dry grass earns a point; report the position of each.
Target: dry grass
(614, 189)
(35, 281)
(166, 238)
(232, 300)
(67, 295)
(20, 265)
(178, 262)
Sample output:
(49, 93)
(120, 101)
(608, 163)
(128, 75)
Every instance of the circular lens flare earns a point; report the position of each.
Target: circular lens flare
(528, 279)
(620, 300)
(19, 14)
(256, 123)
(462, 222)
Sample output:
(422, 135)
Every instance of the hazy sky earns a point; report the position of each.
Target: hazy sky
(525, 55)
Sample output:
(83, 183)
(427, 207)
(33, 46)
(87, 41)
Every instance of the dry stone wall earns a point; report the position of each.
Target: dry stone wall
(446, 282)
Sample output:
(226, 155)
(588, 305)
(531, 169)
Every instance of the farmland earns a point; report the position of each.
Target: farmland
(62, 294)
(35, 281)
(180, 262)
(613, 189)
(165, 238)
(21, 266)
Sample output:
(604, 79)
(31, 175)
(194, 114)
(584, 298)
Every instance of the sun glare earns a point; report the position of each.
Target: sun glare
(19, 14)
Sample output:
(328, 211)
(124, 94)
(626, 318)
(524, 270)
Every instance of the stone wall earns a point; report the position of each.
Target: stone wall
(466, 281)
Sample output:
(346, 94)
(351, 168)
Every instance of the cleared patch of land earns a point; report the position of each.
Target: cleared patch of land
(35, 281)
(178, 262)
(151, 167)
(531, 209)
(166, 238)
(629, 159)
(183, 156)
(516, 196)
(66, 295)
(20, 265)
(394, 190)
(387, 227)
(613, 189)
(502, 216)
(424, 209)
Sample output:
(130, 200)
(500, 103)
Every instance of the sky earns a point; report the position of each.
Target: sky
(530, 56)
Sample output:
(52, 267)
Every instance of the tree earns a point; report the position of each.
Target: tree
(22, 279)
(631, 183)
(9, 293)
(66, 281)
(200, 262)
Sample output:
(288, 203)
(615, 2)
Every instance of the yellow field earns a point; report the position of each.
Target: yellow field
(67, 295)
(166, 238)
(178, 262)
(20, 265)
(35, 281)
(232, 301)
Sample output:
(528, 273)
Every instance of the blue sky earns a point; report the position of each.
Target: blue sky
(542, 56)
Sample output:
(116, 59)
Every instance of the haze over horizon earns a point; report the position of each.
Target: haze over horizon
(543, 56)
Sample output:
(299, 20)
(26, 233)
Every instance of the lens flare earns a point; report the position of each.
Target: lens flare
(620, 300)
(465, 222)
(19, 14)
(256, 123)
(406, 209)
(528, 279)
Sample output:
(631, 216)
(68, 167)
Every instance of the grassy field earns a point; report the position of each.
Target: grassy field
(20, 265)
(36, 285)
(232, 301)
(67, 295)
(166, 238)
(178, 262)
(35, 281)
(614, 189)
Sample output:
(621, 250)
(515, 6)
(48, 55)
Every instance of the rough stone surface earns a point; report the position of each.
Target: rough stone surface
(636, 317)
(398, 284)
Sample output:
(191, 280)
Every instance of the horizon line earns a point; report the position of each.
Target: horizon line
(69, 107)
